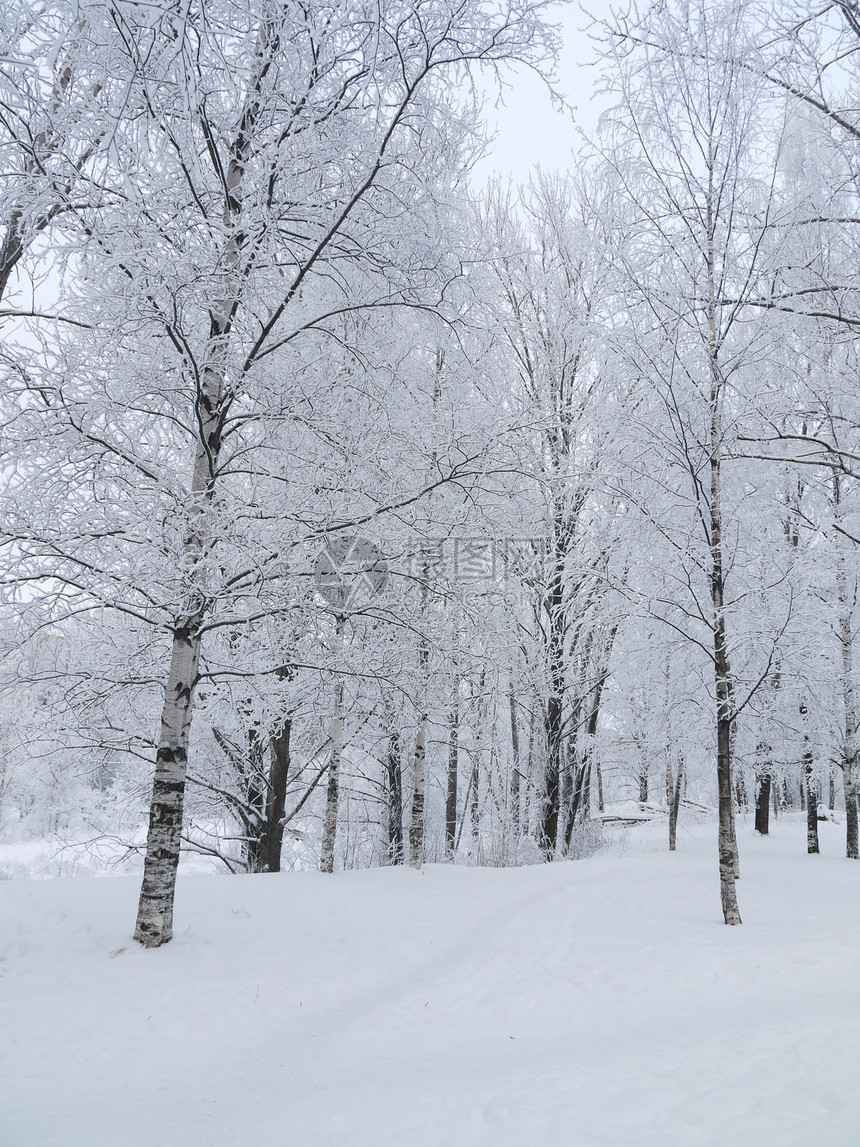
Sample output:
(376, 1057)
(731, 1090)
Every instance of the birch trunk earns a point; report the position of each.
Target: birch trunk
(849, 703)
(808, 788)
(680, 783)
(155, 908)
(475, 810)
(673, 798)
(811, 806)
(332, 800)
(452, 778)
(727, 843)
(515, 771)
(416, 822)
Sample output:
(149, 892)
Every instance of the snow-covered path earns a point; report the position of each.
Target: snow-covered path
(599, 1002)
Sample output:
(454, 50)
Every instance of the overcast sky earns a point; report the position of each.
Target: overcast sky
(530, 130)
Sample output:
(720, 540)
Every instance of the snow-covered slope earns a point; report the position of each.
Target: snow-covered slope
(598, 1002)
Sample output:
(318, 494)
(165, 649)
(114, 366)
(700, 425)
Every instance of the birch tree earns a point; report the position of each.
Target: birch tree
(691, 154)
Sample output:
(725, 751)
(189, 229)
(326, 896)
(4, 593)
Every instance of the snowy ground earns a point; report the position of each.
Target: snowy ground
(598, 1002)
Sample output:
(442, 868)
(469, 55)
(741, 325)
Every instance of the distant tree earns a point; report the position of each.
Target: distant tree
(551, 277)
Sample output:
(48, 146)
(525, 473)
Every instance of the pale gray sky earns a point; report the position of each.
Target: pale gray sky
(530, 130)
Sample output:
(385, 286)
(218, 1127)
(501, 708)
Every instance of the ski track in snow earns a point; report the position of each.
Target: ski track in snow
(595, 1003)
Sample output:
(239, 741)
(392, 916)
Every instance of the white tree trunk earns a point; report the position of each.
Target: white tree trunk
(332, 804)
(416, 822)
(849, 701)
(155, 908)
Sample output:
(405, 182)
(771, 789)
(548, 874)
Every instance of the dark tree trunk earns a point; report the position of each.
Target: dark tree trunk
(555, 705)
(279, 768)
(565, 799)
(253, 806)
(576, 803)
(474, 810)
(585, 803)
(552, 795)
(849, 699)
(643, 785)
(762, 804)
(12, 248)
(741, 793)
